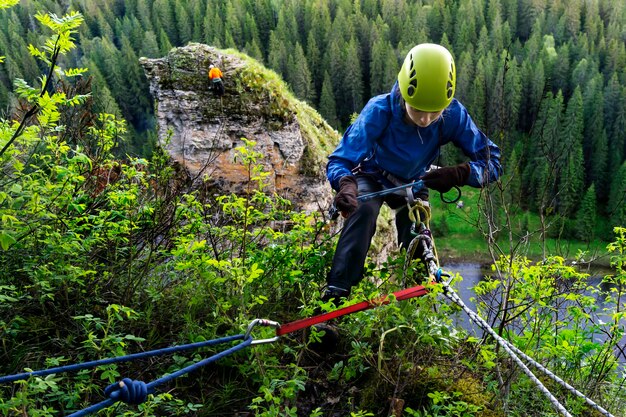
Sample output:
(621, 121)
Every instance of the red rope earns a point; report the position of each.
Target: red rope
(405, 294)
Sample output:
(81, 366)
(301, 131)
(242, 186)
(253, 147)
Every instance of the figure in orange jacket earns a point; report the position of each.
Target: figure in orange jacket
(215, 75)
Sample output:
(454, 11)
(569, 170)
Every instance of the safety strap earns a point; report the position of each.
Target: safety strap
(405, 294)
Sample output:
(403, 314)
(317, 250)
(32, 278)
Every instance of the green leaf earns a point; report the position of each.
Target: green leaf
(6, 240)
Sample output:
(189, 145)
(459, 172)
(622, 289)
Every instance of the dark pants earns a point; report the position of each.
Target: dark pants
(218, 87)
(358, 230)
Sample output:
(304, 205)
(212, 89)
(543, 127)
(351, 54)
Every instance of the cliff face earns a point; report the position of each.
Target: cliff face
(201, 131)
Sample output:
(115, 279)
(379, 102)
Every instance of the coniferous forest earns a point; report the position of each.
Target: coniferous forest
(545, 79)
(108, 249)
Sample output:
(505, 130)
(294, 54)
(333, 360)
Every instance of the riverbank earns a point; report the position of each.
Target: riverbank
(464, 248)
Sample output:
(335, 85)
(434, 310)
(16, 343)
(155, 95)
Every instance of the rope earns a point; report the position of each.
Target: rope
(436, 273)
(505, 345)
(126, 358)
(515, 352)
(135, 392)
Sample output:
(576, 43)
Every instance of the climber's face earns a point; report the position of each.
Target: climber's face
(421, 118)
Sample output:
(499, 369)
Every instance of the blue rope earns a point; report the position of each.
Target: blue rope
(93, 364)
(136, 392)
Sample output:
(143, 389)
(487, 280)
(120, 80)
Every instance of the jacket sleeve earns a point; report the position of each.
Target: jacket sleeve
(483, 153)
(359, 140)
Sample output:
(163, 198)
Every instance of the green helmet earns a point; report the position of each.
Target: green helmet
(428, 77)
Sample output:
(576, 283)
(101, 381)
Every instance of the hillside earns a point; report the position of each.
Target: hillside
(105, 256)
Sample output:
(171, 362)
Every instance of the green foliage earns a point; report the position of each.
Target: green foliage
(547, 310)
(510, 56)
(444, 404)
(104, 256)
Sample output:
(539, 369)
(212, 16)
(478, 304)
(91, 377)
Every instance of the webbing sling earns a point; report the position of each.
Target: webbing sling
(405, 294)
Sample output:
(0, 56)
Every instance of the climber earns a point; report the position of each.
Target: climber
(393, 142)
(215, 76)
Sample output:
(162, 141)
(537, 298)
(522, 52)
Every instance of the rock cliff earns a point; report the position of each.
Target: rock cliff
(201, 131)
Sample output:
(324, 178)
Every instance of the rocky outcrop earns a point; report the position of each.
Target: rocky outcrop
(202, 131)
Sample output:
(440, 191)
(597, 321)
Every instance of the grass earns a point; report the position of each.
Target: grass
(458, 236)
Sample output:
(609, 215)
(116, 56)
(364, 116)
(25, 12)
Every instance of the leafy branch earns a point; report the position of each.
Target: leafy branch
(59, 43)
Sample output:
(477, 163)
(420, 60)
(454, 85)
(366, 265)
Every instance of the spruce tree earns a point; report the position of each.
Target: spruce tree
(314, 60)
(184, 23)
(617, 198)
(615, 121)
(165, 19)
(377, 67)
(252, 49)
(353, 78)
(299, 76)
(328, 107)
(164, 43)
(586, 218)
(464, 76)
(150, 47)
(512, 97)
(477, 103)
(572, 178)
(144, 13)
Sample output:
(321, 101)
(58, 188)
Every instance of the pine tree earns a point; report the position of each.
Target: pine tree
(278, 56)
(165, 19)
(164, 43)
(233, 27)
(144, 13)
(328, 108)
(440, 19)
(533, 82)
(252, 49)
(183, 23)
(197, 8)
(212, 26)
(377, 67)
(595, 144)
(264, 18)
(353, 80)
(572, 178)
(299, 76)
(251, 33)
(335, 66)
(513, 97)
(614, 121)
(617, 198)
(314, 60)
(586, 218)
(150, 47)
(477, 103)
(464, 76)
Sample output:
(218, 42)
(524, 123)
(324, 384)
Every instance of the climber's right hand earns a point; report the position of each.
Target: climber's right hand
(346, 198)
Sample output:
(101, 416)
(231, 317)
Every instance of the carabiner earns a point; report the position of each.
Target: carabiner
(262, 322)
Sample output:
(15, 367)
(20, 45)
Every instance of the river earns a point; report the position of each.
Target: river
(472, 273)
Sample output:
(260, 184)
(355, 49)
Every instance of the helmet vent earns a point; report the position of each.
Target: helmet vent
(412, 74)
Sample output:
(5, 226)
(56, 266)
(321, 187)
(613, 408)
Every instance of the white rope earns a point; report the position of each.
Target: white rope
(505, 345)
(514, 352)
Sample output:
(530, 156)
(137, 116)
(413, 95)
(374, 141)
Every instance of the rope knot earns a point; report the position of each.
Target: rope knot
(128, 391)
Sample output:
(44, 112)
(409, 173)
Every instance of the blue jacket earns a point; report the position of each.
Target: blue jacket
(380, 139)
